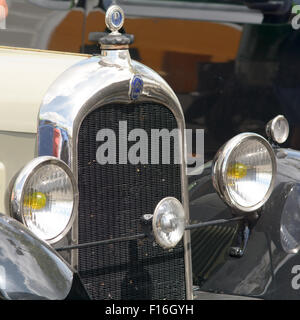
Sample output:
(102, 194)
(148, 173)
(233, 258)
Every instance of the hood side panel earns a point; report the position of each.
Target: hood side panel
(25, 77)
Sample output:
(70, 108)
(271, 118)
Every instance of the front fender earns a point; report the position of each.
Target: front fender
(29, 268)
(266, 269)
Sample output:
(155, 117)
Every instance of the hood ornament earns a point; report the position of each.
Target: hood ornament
(114, 20)
(115, 40)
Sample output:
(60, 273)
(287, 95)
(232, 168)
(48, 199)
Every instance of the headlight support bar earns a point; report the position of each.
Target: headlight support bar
(148, 234)
(96, 243)
(213, 222)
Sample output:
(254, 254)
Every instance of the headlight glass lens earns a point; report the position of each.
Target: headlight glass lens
(168, 222)
(244, 172)
(281, 130)
(48, 201)
(249, 173)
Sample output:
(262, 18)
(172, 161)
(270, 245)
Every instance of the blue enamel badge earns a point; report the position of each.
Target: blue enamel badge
(117, 18)
(114, 18)
(136, 87)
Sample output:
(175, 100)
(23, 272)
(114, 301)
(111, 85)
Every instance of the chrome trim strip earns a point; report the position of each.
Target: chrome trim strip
(53, 4)
(90, 84)
(216, 12)
(202, 295)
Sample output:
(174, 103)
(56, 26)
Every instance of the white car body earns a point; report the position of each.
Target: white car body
(30, 73)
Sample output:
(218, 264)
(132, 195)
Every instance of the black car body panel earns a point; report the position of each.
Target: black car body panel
(32, 270)
(266, 270)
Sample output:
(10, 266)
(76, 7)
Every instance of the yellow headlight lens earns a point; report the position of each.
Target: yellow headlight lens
(237, 171)
(35, 200)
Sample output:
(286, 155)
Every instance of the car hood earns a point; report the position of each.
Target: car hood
(25, 77)
(30, 268)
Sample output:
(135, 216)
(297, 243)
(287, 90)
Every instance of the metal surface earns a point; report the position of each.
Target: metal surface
(271, 129)
(202, 295)
(97, 243)
(289, 222)
(112, 198)
(266, 270)
(17, 193)
(192, 11)
(155, 222)
(220, 165)
(30, 269)
(114, 18)
(91, 84)
(213, 223)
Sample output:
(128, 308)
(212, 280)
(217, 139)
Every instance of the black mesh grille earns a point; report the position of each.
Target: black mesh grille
(113, 197)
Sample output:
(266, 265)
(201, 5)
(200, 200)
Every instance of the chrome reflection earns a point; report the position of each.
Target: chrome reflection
(88, 85)
(290, 221)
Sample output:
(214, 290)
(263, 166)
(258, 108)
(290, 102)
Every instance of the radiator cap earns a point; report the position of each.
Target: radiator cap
(114, 20)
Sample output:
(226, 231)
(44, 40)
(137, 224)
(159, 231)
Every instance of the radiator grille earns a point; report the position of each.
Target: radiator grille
(112, 199)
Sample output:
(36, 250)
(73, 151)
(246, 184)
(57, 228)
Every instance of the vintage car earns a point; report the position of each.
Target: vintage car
(113, 230)
(101, 216)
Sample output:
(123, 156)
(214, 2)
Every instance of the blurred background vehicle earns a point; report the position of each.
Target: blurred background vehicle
(232, 64)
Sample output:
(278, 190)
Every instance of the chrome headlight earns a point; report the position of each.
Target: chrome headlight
(244, 171)
(168, 222)
(278, 129)
(44, 198)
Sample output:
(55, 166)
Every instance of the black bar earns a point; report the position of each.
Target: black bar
(142, 235)
(96, 243)
(212, 223)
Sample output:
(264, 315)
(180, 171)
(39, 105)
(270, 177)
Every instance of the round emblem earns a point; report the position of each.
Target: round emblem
(136, 87)
(114, 18)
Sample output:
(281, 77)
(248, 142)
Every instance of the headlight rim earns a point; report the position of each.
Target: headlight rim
(21, 182)
(271, 131)
(154, 219)
(219, 166)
